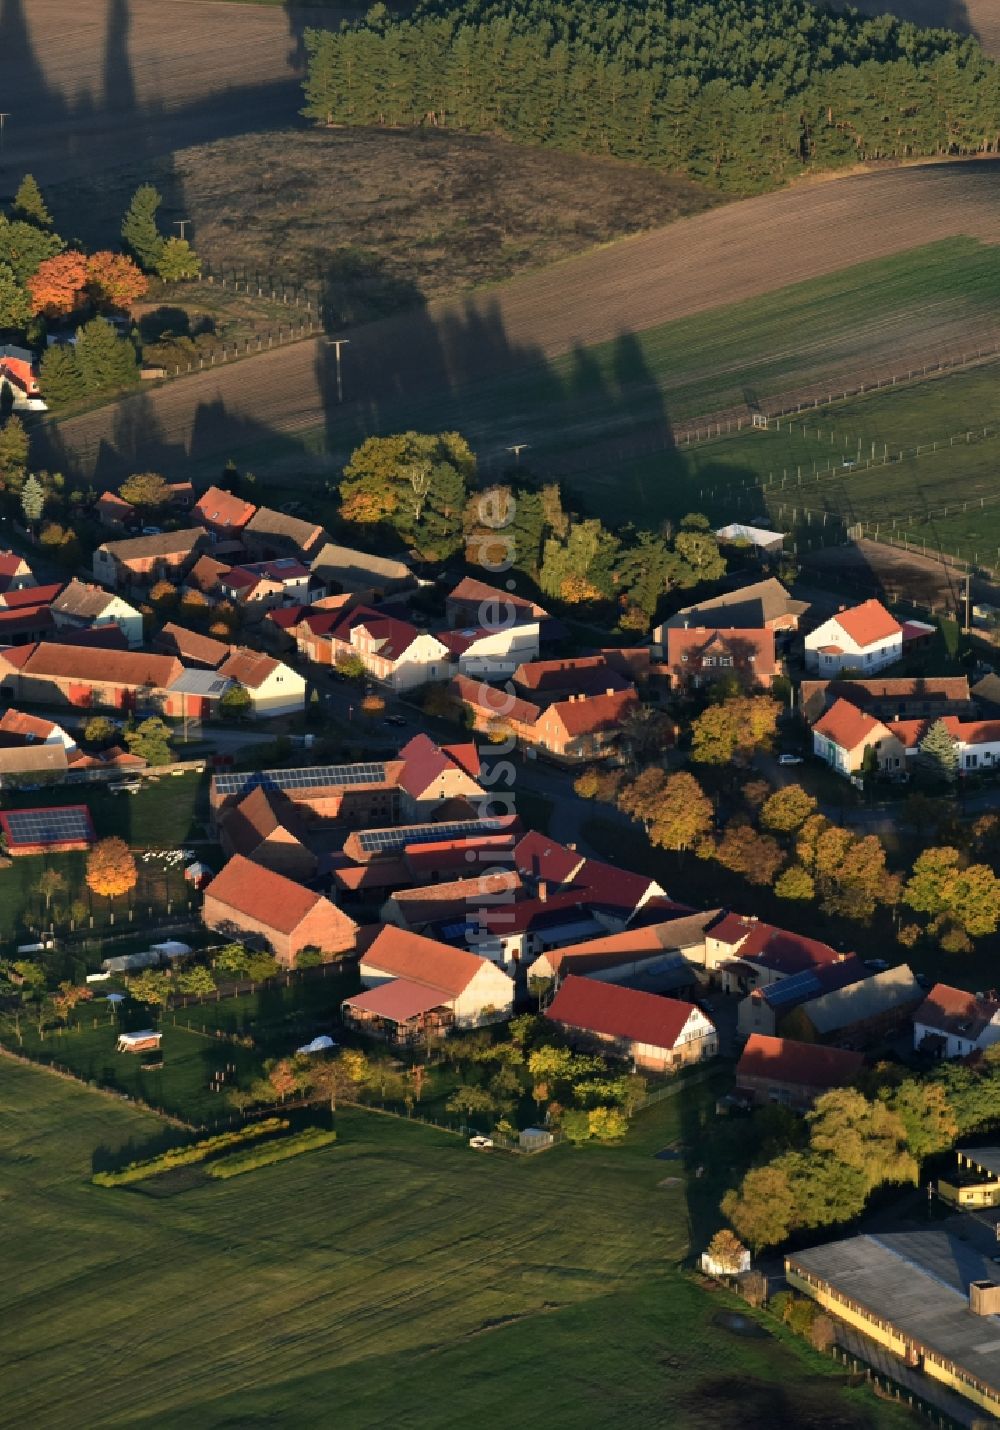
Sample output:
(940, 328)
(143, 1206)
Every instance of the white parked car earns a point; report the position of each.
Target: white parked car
(790, 760)
(480, 1143)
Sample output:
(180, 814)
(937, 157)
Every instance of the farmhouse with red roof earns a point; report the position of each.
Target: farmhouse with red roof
(653, 1033)
(696, 657)
(793, 1074)
(585, 727)
(951, 1023)
(248, 901)
(409, 976)
(864, 639)
(221, 513)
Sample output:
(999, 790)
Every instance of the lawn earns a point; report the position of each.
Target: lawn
(396, 1276)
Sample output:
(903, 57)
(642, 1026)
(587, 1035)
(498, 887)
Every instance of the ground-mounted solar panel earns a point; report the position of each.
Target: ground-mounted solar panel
(304, 777)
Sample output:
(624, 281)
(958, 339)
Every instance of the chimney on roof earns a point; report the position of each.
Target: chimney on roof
(543, 891)
(609, 691)
(984, 1298)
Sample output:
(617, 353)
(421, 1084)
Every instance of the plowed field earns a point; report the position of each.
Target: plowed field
(703, 262)
(90, 83)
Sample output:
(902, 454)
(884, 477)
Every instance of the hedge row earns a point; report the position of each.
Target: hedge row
(185, 1156)
(306, 1141)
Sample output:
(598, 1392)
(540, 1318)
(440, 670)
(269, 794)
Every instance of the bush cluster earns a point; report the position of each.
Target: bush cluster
(185, 1156)
(306, 1141)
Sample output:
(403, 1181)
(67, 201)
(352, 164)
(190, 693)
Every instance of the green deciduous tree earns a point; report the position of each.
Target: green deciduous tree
(417, 483)
(968, 896)
(787, 809)
(147, 490)
(177, 260)
(732, 730)
(795, 883)
(151, 740)
(236, 702)
(23, 246)
(683, 814)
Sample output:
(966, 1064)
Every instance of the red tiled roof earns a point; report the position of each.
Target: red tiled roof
(619, 1012)
(223, 509)
(269, 898)
(16, 722)
(693, 643)
(397, 1001)
(11, 563)
(803, 1064)
(206, 573)
(496, 704)
(31, 620)
(469, 590)
(256, 816)
(593, 713)
(425, 762)
(846, 725)
(33, 595)
(868, 623)
(466, 755)
(538, 856)
(422, 960)
(953, 1010)
(389, 636)
(190, 646)
(249, 667)
(459, 855)
(380, 874)
(122, 667)
(777, 948)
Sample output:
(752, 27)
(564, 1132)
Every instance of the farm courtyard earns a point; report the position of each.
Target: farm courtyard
(397, 1276)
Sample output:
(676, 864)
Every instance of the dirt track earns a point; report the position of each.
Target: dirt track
(89, 83)
(701, 262)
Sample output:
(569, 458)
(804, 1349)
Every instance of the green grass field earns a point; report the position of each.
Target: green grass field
(395, 1278)
(946, 496)
(164, 814)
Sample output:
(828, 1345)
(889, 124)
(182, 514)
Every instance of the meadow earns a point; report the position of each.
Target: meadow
(395, 1276)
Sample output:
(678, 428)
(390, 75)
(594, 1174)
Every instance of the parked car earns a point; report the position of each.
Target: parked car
(790, 760)
(396, 720)
(480, 1142)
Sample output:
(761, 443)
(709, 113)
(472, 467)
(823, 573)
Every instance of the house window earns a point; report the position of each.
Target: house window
(708, 660)
(971, 761)
(727, 659)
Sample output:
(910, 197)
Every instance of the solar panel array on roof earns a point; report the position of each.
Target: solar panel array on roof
(309, 777)
(795, 989)
(382, 841)
(48, 826)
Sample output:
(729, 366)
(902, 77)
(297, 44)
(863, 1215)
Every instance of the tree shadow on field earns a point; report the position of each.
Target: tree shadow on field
(63, 124)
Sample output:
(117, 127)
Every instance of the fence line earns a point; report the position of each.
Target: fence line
(713, 425)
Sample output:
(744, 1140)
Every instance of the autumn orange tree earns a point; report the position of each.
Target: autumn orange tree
(58, 285)
(114, 281)
(111, 869)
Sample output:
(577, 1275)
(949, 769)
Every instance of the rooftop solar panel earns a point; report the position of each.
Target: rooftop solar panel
(789, 990)
(380, 841)
(61, 825)
(308, 777)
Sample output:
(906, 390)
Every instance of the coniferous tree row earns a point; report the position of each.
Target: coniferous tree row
(738, 93)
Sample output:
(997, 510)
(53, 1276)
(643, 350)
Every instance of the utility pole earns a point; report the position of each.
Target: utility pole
(182, 224)
(968, 598)
(4, 116)
(517, 449)
(337, 344)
